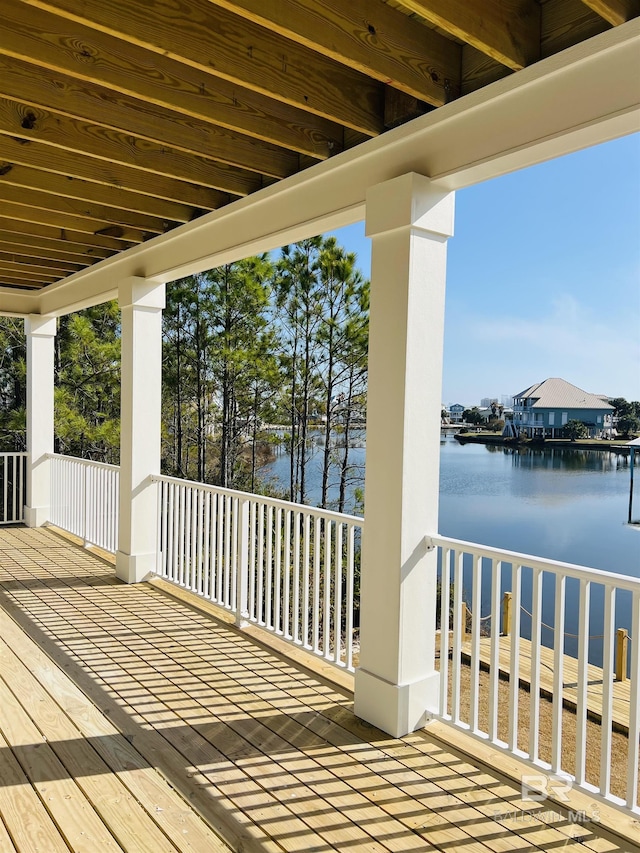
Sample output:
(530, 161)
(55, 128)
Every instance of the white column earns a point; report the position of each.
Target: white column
(409, 222)
(41, 332)
(141, 303)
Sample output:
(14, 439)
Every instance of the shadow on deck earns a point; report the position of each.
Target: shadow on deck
(131, 720)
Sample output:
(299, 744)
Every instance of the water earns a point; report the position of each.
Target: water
(568, 505)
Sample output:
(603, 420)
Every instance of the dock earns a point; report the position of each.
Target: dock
(620, 712)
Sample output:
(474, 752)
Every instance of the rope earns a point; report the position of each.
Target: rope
(566, 633)
(544, 625)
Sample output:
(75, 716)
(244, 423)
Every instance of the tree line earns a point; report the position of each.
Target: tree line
(268, 340)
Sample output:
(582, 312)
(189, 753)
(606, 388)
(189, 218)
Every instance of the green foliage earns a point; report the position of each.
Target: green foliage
(12, 384)
(629, 424)
(472, 416)
(574, 430)
(87, 395)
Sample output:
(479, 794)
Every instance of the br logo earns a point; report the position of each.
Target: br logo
(537, 787)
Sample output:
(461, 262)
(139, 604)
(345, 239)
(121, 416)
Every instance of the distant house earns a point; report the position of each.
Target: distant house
(542, 410)
(455, 413)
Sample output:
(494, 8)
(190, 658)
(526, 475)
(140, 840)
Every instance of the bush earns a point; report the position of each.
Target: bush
(574, 430)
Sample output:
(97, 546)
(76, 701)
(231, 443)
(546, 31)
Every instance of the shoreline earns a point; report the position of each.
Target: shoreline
(615, 446)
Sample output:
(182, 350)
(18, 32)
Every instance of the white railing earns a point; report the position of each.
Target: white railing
(84, 499)
(555, 632)
(12, 487)
(285, 567)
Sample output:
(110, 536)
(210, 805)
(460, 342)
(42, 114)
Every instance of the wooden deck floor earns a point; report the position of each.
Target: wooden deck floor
(132, 721)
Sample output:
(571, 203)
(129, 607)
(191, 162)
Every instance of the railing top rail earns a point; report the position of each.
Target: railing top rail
(611, 579)
(88, 462)
(6, 453)
(275, 502)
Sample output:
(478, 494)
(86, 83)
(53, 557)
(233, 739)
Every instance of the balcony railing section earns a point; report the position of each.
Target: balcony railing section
(549, 627)
(12, 487)
(84, 499)
(290, 569)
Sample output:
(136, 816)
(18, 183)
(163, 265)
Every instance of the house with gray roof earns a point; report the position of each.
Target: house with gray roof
(543, 409)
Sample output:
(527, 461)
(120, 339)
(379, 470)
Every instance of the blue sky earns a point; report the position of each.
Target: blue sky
(543, 278)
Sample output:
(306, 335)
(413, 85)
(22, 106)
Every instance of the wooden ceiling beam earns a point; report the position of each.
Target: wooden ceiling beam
(36, 262)
(99, 245)
(368, 36)
(616, 12)
(506, 30)
(238, 51)
(79, 208)
(22, 81)
(95, 57)
(21, 273)
(13, 263)
(68, 187)
(25, 121)
(68, 222)
(9, 281)
(69, 165)
(43, 253)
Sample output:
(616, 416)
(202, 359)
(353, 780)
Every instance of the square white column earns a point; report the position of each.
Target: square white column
(141, 303)
(41, 332)
(409, 222)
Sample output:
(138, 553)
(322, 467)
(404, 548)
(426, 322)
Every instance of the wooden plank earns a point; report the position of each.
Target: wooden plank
(616, 12)
(28, 273)
(80, 208)
(10, 281)
(103, 245)
(6, 844)
(92, 193)
(22, 81)
(69, 165)
(30, 245)
(23, 813)
(79, 824)
(68, 222)
(44, 254)
(369, 37)
(37, 36)
(506, 30)
(116, 799)
(24, 121)
(23, 258)
(219, 43)
(567, 23)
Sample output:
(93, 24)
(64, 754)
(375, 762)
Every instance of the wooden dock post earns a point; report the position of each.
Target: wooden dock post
(622, 650)
(506, 613)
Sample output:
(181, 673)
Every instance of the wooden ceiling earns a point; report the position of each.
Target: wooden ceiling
(122, 119)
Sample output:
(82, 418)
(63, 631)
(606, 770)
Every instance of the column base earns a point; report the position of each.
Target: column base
(134, 568)
(396, 709)
(36, 516)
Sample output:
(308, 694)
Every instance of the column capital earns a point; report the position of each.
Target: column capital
(141, 292)
(409, 201)
(40, 325)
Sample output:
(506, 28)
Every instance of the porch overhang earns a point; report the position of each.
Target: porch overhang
(583, 96)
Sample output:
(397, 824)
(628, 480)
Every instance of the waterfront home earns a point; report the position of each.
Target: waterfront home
(455, 413)
(246, 673)
(543, 409)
